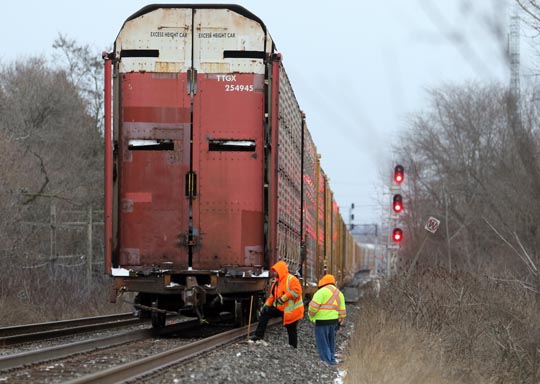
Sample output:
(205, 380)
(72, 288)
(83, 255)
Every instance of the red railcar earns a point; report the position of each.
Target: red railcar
(211, 174)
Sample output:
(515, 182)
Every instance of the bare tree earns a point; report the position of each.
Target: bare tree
(49, 120)
(51, 151)
(473, 160)
(469, 162)
(531, 9)
(84, 69)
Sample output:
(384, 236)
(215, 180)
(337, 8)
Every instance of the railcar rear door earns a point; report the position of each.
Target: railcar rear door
(228, 136)
(154, 136)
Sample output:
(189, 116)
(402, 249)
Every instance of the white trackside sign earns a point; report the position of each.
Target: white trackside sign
(432, 225)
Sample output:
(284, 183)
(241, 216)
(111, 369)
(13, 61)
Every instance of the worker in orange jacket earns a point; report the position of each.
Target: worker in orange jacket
(285, 300)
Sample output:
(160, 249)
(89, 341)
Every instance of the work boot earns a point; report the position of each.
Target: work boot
(255, 338)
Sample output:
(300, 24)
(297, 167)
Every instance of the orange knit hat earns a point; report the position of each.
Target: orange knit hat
(327, 279)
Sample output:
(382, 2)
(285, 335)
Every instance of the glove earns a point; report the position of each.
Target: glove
(281, 300)
(264, 309)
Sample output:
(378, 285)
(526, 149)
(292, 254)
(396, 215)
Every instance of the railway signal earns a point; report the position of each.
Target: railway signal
(398, 203)
(399, 173)
(397, 235)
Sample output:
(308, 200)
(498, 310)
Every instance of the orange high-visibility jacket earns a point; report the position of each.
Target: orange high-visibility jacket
(287, 287)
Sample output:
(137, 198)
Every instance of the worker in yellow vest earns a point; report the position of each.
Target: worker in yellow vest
(327, 311)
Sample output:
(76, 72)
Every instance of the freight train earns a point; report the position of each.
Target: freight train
(211, 173)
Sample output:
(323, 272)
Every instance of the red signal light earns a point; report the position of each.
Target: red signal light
(397, 235)
(399, 173)
(398, 203)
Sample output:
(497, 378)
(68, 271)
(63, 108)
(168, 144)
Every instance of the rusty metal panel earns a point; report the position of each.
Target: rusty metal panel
(228, 113)
(289, 175)
(330, 235)
(310, 200)
(229, 208)
(153, 213)
(171, 125)
(321, 219)
(161, 138)
(338, 245)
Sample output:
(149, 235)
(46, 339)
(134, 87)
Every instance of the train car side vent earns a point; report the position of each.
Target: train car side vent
(139, 53)
(229, 145)
(151, 145)
(244, 55)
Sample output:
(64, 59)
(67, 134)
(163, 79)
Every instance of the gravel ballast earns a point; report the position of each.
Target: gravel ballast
(271, 360)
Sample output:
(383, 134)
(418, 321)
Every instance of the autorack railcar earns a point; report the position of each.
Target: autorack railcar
(211, 172)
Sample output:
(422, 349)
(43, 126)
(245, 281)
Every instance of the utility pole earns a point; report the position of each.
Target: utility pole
(52, 221)
(514, 41)
(89, 247)
(351, 217)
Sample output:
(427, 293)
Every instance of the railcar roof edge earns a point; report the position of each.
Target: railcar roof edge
(233, 7)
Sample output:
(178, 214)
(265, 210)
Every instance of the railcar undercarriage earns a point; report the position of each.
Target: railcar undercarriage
(209, 296)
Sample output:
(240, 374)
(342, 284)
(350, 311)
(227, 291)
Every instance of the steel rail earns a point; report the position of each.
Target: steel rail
(134, 369)
(61, 351)
(71, 330)
(40, 327)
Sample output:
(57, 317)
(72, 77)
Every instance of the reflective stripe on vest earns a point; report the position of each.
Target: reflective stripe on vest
(328, 305)
(292, 304)
(335, 297)
(288, 289)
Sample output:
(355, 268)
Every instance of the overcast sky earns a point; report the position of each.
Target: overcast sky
(358, 67)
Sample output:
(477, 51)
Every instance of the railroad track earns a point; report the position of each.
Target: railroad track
(141, 348)
(164, 360)
(35, 332)
(65, 350)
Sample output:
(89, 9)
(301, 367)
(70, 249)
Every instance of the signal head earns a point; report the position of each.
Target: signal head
(399, 173)
(397, 204)
(397, 235)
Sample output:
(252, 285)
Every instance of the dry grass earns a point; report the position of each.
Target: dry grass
(13, 312)
(438, 327)
(24, 299)
(385, 352)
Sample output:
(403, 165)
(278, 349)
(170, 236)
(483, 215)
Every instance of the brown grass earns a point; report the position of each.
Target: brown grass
(25, 300)
(437, 327)
(386, 352)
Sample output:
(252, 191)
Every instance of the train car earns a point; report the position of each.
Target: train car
(211, 174)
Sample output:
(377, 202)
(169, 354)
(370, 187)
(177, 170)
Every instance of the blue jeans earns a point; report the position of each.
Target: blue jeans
(325, 339)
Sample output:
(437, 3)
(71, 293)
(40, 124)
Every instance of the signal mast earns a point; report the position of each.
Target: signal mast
(396, 235)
